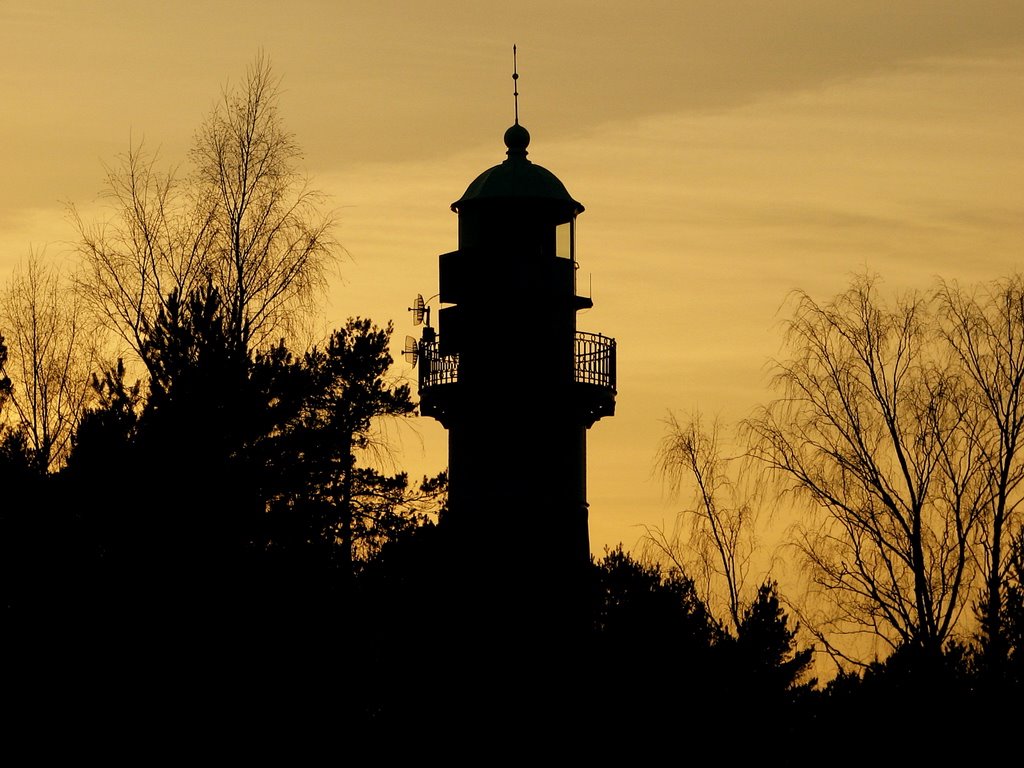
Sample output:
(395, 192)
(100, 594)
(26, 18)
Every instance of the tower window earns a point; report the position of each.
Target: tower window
(565, 240)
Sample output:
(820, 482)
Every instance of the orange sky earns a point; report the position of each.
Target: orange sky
(726, 152)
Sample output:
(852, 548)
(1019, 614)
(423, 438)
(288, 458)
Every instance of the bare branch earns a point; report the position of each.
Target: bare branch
(244, 220)
(867, 432)
(51, 353)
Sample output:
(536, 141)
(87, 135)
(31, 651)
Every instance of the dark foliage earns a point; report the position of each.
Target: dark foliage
(213, 541)
(1011, 671)
(347, 507)
(25, 530)
(765, 646)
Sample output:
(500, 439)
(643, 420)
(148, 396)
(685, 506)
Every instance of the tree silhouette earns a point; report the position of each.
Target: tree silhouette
(111, 421)
(766, 649)
(24, 528)
(52, 349)
(663, 661)
(719, 541)
(188, 442)
(868, 429)
(99, 480)
(350, 394)
(245, 220)
(984, 329)
(1013, 616)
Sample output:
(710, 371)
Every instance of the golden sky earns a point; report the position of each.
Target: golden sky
(726, 152)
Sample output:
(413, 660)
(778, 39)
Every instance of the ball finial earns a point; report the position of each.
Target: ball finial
(517, 139)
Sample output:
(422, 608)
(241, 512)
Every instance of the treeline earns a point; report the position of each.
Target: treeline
(212, 539)
(892, 448)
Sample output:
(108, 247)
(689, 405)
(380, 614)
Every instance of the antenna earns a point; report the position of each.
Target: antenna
(418, 310)
(515, 82)
(421, 310)
(411, 352)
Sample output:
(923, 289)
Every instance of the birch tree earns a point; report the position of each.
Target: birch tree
(51, 350)
(243, 219)
(984, 327)
(870, 430)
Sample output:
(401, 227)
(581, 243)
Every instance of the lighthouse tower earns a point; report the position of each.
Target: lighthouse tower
(517, 386)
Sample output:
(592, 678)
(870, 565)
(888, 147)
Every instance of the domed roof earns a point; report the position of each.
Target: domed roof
(517, 177)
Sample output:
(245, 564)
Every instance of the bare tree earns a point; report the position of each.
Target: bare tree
(245, 221)
(985, 330)
(719, 541)
(51, 351)
(271, 243)
(869, 428)
(157, 241)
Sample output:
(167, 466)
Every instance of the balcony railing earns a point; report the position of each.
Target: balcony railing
(435, 368)
(594, 362)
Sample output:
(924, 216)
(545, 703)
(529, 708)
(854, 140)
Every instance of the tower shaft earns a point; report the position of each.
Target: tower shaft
(517, 387)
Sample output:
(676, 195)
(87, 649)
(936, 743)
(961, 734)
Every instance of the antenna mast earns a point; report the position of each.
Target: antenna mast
(515, 82)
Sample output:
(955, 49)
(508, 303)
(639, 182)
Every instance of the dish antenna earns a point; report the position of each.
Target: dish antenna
(411, 353)
(420, 311)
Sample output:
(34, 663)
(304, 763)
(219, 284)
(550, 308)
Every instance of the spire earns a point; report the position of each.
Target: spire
(515, 82)
(517, 138)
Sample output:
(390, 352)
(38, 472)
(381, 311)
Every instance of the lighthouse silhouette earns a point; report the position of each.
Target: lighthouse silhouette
(517, 386)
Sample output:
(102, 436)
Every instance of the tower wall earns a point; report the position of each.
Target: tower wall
(516, 415)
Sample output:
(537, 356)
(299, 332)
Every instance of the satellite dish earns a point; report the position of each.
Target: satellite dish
(411, 352)
(418, 309)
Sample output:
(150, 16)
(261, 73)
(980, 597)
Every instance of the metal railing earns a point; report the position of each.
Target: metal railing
(594, 362)
(435, 368)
